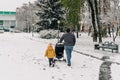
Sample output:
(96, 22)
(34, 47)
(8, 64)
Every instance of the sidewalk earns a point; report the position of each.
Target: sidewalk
(85, 45)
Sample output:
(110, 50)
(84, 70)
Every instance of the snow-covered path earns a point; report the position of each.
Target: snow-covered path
(22, 58)
(16, 52)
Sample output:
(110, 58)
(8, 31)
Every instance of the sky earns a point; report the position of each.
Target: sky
(22, 58)
(11, 5)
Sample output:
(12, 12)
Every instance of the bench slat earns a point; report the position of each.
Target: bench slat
(108, 45)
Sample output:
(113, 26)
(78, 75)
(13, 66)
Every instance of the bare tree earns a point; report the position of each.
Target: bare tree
(98, 21)
(91, 4)
(26, 18)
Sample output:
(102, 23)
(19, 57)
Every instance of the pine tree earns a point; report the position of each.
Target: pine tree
(50, 11)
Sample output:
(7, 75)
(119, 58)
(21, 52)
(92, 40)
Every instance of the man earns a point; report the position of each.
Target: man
(69, 42)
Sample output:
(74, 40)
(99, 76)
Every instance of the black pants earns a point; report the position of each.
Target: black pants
(51, 61)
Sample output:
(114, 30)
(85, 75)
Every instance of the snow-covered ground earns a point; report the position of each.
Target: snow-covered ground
(22, 58)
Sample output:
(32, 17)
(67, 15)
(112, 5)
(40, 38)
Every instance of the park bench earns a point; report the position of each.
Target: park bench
(107, 45)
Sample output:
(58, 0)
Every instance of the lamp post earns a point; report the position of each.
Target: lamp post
(80, 23)
(58, 29)
(32, 29)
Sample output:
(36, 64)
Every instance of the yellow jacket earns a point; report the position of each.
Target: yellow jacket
(50, 52)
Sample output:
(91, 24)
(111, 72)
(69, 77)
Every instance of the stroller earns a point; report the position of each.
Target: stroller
(59, 50)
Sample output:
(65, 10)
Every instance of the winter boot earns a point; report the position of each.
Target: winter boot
(53, 64)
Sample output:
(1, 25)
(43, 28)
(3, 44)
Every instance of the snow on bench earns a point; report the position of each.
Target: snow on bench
(107, 45)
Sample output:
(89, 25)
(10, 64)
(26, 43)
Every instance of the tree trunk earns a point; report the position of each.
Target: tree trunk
(106, 6)
(98, 21)
(77, 31)
(93, 20)
(100, 6)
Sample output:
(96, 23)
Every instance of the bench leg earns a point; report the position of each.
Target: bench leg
(103, 49)
(116, 51)
(96, 46)
(112, 50)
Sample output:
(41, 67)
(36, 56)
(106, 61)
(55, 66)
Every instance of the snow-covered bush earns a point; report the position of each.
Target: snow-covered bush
(47, 34)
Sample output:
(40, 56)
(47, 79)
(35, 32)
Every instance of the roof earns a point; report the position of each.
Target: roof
(7, 13)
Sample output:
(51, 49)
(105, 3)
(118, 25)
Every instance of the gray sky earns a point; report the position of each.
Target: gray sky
(10, 5)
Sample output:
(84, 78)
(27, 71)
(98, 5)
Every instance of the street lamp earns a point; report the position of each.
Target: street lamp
(58, 29)
(32, 29)
(80, 23)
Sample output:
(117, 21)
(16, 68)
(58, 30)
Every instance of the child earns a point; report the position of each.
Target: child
(50, 54)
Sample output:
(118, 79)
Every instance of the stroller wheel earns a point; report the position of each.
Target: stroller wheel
(55, 59)
(64, 60)
(53, 64)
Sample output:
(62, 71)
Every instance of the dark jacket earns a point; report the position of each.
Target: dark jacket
(69, 39)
